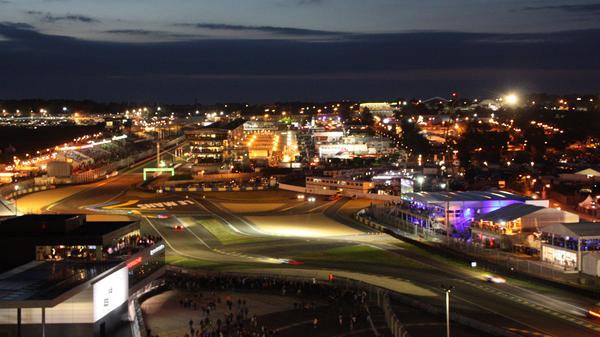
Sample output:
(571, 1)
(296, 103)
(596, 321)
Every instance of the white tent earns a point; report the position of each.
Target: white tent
(589, 172)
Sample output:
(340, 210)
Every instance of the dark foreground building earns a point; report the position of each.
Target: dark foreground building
(73, 277)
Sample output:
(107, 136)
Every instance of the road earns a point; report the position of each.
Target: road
(268, 229)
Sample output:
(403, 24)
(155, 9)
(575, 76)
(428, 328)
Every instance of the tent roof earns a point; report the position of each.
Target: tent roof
(583, 230)
(589, 172)
(512, 212)
(464, 196)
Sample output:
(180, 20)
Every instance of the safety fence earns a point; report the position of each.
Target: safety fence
(496, 259)
(13, 190)
(138, 325)
(397, 328)
(476, 324)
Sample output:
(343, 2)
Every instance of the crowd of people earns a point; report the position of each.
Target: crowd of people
(325, 305)
(131, 244)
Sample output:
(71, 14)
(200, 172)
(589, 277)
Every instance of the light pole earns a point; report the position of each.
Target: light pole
(16, 209)
(447, 290)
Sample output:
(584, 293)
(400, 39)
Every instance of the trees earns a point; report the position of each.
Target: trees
(413, 139)
(367, 117)
(481, 144)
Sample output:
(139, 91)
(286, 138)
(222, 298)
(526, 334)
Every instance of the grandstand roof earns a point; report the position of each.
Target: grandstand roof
(433, 197)
(231, 125)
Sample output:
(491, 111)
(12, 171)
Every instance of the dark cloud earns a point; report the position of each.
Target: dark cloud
(577, 8)
(285, 31)
(367, 66)
(151, 33)
(68, 17)
(4, 26)
(309, 2)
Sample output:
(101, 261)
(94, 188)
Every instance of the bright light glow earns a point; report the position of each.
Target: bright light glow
(511, 99)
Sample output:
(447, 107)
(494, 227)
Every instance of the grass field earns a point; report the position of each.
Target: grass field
(301, 225)
(225, 234)
(361, 254)
(184, 262)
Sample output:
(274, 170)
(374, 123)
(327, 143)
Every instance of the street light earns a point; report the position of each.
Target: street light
(420, 181)
(447, 290)
(16, 209)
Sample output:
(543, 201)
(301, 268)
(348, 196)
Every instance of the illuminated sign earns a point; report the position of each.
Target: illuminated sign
(110, 292)
(158, 169)
(165, 204)
(134, 262)
(157, 249)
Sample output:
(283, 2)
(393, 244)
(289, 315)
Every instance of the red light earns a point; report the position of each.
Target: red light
(134, 262)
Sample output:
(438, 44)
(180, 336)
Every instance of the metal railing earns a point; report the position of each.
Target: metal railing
(496, 258)
(395, 325)
(375, 294)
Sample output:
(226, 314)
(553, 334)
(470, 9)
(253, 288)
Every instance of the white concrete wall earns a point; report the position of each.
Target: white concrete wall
(590, 263)
(77, 309)
(539, 202)
(292, 188)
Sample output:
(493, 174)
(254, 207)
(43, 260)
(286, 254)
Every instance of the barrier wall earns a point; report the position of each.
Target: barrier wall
(213, 189)
(345, 193)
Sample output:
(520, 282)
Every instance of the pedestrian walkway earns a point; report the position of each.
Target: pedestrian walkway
(220, 305)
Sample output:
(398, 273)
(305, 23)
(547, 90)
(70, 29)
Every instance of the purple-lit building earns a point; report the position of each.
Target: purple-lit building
(458, 209)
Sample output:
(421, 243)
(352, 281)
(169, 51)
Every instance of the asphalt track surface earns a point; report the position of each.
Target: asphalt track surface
(524, 310)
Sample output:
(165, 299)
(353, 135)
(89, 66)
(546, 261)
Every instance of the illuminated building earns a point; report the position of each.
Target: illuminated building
(380, 109)
(434, 210)
(515, 225)
(328, 185)
(212, 145)
(75, 277)
(573, 246)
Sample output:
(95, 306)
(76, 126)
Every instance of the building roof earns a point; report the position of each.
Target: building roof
(59, 225)
(583, 230)
(230, 125)
(434, 197)
(45, 284)
(512, 212)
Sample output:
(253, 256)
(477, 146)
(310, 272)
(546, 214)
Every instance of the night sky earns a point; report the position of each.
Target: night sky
(279, 50)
